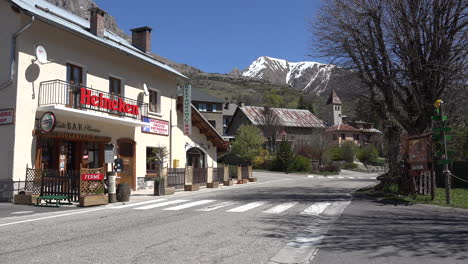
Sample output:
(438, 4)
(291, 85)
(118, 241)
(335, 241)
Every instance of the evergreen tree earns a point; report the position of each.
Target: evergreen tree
(285, 155)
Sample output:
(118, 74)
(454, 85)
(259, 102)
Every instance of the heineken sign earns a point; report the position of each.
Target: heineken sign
(187, 110)
(100, 101)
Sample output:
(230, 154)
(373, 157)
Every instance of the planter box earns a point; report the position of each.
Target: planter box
(212, 184)
(23, 199)
(252, 179)
(192, 188)
(240, 181)
(228, 183)
(170, 190)
(245, 180)
(91, 200)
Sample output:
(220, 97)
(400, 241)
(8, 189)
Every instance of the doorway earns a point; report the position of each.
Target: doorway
(126, 153)
(195, 158)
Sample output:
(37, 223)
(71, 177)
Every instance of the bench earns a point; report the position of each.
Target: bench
(48, 200)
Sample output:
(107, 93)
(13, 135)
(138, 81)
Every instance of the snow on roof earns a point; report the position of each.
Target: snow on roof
(287, 117)
(52, 14)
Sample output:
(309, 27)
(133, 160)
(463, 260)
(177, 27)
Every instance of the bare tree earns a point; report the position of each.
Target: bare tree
(408, 53)
(271, 126)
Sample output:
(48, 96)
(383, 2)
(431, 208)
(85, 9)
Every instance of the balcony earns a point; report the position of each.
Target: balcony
(79, 100)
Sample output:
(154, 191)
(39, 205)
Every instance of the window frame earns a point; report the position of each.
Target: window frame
(158, 101)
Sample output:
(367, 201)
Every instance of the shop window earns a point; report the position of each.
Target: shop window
(154, 101)
(49, 156)
(91, 155)
(152, 156)
(212, 122)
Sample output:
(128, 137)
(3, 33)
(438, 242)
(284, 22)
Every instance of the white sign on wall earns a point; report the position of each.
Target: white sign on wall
(155, 126)
(7, 116)
(187, 109)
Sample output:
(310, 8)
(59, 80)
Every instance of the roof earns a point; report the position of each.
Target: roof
(287, 117)
(199, 95)
(59, 17)
(342, 127)
(206, 128)
(230, 110)
(333, 98)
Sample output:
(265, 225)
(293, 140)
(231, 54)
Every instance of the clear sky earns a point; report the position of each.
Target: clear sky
(218, 35)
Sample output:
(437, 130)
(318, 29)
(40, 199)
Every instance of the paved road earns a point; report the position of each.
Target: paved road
(280, 219)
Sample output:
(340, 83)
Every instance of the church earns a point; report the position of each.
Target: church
(339, 130)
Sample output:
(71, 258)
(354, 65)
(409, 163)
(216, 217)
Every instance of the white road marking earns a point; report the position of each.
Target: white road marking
(320, 177)
(340, 177)
(280, 208)
(137, 204)
(22, 212)
(351, 177)
(216, 206)
(331, 177)
(151, 206)
(311, 176)
(316, 208)
(53, 216)
(246, 207)
(188, 205)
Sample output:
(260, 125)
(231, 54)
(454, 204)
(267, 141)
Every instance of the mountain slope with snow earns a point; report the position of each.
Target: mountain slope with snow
(306, 76)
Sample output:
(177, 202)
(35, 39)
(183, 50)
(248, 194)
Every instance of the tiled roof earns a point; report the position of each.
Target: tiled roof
(342, 127)
(287, 117)
(59, 17)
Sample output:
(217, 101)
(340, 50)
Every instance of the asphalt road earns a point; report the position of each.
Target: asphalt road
(280, 219)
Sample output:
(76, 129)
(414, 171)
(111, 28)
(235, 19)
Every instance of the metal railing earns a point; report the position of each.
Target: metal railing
(200, 175)
(176, 178)
(57, 92)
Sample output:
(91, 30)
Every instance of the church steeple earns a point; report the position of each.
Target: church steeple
(334, 116)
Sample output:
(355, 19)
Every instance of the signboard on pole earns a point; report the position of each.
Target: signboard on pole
(155, 126)
(108, 153)
(92, 176)
(187, 110)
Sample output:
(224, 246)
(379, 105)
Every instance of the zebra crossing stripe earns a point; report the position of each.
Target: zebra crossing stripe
(137, 204)
(151, 206)
(246, 207)
(280, 208)
(216, 206)
(316, 208)
(340, 177)
(188, 205)
(331, 177)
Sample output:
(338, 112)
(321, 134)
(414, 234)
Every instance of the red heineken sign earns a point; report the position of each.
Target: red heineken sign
(100, 101)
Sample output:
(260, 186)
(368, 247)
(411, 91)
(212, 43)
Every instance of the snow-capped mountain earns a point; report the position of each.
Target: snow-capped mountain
(306, 76)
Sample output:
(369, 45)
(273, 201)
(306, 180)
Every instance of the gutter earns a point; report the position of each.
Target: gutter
(13, 52)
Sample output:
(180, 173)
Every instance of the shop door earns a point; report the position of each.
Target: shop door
(126, 154)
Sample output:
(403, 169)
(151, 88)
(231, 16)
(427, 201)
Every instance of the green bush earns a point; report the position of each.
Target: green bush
(285, 156)
(349, 165)
(348, 150)
(335, 153)
(301, 163)
(368, 153)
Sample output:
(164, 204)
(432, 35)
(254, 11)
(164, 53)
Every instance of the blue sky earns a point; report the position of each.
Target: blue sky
(218, 35)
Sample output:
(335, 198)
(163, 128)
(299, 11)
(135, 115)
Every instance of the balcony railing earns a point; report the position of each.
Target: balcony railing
(57, 92)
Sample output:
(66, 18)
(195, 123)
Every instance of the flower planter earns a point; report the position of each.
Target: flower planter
(240, 181)
(170, 190)
(23, 199)
(245, 180)
(252, 179)
(192, 188)
(214, 184)
(228, 183)
(95, 199)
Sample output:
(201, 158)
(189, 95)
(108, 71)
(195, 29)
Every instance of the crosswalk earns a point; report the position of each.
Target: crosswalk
(265, 207)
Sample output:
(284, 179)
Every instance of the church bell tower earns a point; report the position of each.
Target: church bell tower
(334, 106)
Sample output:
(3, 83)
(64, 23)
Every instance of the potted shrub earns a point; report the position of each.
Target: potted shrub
(159, 186)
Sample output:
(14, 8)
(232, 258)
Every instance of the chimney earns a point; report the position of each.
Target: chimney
(241, 104)
(141, 38)
(97, 19)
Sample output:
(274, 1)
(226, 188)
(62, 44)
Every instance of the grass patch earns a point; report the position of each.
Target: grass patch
(459, 197)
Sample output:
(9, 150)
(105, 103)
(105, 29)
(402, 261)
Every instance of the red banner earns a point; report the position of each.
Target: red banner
(92, 177)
